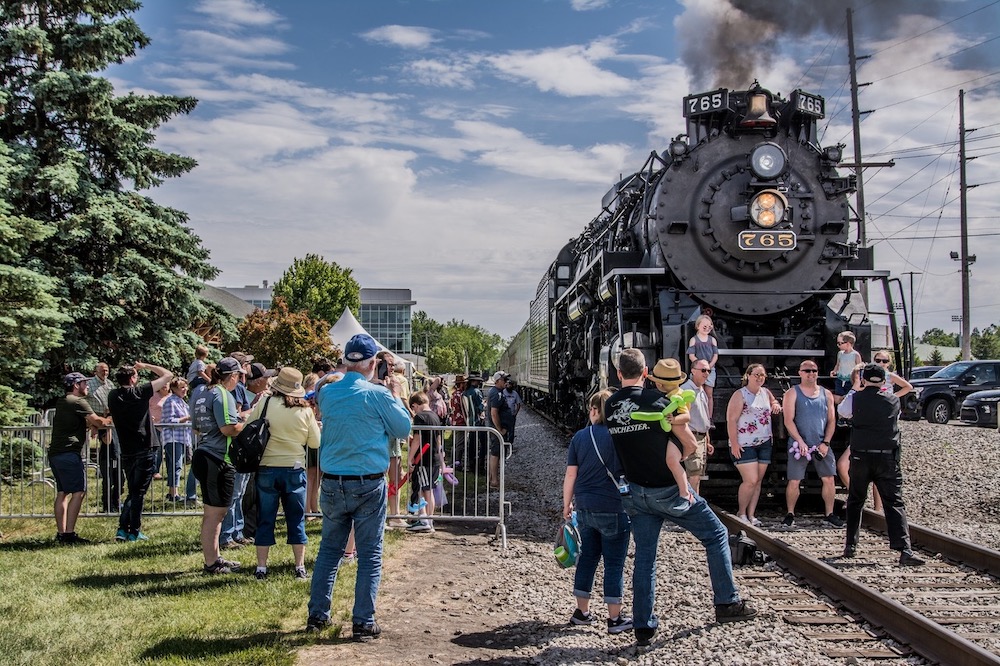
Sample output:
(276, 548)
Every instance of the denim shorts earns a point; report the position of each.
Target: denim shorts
(762, 453)
(69, 472)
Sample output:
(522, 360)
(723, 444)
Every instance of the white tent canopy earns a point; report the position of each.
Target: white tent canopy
(347, 327)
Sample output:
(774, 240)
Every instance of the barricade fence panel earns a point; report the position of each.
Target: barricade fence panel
(462, 488)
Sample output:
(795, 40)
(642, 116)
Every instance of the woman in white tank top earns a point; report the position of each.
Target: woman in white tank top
(748, 419)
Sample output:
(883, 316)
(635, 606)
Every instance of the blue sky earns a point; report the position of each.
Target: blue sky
(454, 146)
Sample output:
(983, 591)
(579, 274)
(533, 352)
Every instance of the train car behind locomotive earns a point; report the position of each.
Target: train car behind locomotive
(746, 218)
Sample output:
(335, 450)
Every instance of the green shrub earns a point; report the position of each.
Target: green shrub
(19, 458)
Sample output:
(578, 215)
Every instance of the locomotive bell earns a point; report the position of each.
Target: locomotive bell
(757, 114)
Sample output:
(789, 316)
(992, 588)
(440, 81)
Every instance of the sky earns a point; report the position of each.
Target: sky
(452, 147)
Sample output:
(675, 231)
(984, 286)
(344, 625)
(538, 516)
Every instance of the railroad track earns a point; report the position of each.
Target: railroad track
(947, 611)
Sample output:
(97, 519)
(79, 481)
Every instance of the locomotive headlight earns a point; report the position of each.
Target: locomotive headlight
(768, 208)
(767, 161)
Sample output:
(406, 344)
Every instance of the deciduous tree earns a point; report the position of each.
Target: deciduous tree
(320, 287)
(279, 336)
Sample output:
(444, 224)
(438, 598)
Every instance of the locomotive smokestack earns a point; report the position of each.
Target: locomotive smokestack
(727, 43)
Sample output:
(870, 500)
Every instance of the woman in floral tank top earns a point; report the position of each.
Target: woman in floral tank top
(748, 419)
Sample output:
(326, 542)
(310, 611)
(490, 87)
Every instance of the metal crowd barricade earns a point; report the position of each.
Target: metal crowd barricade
(27, 488)
(467, 493)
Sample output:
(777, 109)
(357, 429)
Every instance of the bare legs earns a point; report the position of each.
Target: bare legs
(67, 510)
(211, 528)
(749, 492)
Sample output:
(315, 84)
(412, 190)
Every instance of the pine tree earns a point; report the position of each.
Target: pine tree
(127, 269)
(30, 322)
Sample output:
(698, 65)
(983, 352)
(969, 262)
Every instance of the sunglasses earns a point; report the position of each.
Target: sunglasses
(758, 376)
(702, 369)
(808, 370)
(881, 360)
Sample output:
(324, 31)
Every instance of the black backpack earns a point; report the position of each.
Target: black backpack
(744, 550)
(247, 448)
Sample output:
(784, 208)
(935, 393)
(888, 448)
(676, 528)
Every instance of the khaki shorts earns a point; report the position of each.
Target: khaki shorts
(695, 464)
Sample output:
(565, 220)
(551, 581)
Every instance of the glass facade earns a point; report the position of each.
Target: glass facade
(389, 323)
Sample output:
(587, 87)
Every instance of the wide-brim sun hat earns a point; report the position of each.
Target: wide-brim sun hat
(288, 382)
(667, 374)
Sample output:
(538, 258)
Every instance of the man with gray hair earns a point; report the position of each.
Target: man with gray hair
(358, 419)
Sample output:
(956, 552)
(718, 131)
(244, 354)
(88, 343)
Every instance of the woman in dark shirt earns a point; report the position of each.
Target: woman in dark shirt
(593, 475)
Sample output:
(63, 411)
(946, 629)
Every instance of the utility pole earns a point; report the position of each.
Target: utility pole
(913, 312)
(966, 260)
(856, 122)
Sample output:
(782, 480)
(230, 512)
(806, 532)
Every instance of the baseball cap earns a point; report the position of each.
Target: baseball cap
(360, 348)
(72, 379)
(258, 370)
(873, 373)
(228, 365)
(242, 357)
(499, 374)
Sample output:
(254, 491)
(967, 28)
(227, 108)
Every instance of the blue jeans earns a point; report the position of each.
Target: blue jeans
(232, 526)
(648, 508)
(343, 503)
(604, 534)
(191, 487)
(287, 486)
(174, 454)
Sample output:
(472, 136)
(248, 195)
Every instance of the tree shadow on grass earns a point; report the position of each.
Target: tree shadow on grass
(220, 649)
(147, 550)
(29, 545)
(170, 583)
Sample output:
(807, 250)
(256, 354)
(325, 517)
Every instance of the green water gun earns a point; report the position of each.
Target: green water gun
(685, 397)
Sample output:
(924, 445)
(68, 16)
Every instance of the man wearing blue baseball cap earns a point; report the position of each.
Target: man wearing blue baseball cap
(359, 418)
(67, 444)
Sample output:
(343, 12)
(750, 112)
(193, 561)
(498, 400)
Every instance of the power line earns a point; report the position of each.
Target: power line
(944, 57)
(938, 27)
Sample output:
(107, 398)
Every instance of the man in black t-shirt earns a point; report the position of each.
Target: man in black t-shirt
(653, 496)
(129, 405)
(67, 442)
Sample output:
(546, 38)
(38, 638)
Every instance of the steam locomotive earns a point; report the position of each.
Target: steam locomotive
(745, 218)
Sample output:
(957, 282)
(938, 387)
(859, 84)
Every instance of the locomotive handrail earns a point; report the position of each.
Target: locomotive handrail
(754, 351)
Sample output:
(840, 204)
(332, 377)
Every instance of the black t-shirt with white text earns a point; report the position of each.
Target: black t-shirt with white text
(641, 445)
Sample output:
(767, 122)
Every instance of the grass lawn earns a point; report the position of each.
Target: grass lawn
(148, 602)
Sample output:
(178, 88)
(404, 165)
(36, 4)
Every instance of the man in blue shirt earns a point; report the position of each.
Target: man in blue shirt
(359, 419)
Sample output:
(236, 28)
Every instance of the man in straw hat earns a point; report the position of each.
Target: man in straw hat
(358, 419)
(652, 494)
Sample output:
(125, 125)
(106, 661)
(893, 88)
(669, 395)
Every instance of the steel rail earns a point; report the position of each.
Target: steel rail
(926, 637)
(978, 557)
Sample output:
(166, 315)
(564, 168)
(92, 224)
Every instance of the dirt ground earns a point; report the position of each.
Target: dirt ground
(447, 622)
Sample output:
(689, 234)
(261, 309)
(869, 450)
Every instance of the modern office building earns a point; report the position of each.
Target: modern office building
(258, 297)
(386, 315)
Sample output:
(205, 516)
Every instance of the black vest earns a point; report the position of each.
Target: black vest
(876, 420)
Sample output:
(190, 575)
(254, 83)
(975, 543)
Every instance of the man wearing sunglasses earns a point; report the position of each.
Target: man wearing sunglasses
(810, 422)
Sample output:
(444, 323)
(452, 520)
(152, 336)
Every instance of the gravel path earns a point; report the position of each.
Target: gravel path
(474, 603)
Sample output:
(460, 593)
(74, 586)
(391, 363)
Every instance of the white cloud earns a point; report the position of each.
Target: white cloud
(238, 13)
(446, 73)
(572, 71)
(403, 36)
(588, 5)
(213, 44)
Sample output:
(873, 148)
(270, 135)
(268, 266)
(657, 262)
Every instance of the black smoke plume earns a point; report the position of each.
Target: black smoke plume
(729, 43)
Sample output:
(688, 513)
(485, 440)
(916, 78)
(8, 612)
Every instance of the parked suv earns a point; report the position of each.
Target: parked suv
(939, 398)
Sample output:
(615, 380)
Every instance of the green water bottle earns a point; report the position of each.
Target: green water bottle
(562, 556)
